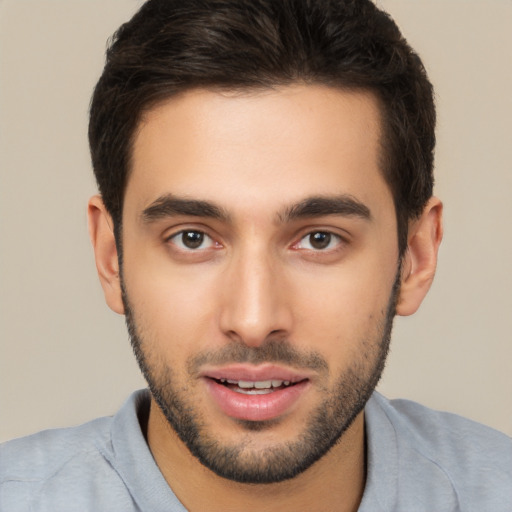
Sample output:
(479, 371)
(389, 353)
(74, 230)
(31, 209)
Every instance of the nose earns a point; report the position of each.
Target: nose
(255, 305)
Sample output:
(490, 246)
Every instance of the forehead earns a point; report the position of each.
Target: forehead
(259, 148)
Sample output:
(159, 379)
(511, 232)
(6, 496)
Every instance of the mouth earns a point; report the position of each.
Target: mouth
(252, 393)
(261, 387)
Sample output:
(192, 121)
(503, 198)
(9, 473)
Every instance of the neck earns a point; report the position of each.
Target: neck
(334, 483)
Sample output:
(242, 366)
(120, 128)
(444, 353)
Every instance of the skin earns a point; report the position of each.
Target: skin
(255, 155)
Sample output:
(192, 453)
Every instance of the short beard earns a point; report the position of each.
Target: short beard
(325, 427)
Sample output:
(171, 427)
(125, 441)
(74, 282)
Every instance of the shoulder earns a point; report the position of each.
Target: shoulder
(460, 437)
(475, 460)
(36, 468)
(94, 466)
(37, 455)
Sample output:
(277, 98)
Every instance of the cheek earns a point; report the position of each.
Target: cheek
(172, 306)
(341, 311)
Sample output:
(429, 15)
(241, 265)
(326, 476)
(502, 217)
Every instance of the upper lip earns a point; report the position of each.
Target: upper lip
(251, 373)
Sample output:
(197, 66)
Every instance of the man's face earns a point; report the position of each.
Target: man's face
(260, 271)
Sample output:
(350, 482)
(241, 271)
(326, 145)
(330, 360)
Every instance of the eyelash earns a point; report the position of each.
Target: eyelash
(322, 236)
(178, 240)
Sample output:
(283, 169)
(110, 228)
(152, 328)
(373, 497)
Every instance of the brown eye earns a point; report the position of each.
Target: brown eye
(191, 240)
(319, 241)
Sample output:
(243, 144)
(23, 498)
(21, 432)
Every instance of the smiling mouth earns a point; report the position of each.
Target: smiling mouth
(255, 394)
(262, 387)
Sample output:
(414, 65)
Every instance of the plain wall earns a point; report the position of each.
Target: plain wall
(65, 357)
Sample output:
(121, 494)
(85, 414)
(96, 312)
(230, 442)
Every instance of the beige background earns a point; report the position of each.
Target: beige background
(65, 358)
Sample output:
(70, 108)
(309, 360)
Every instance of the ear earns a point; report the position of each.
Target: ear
(101, 232)
(420, 260)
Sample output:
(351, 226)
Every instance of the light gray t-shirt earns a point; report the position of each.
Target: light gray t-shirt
(418, 460)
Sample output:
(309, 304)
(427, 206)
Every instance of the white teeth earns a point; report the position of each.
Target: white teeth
(253, 391)
(261, 384)
(245, 384)
(264, 384)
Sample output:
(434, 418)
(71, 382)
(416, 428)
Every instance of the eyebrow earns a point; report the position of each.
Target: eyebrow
(171, 206)
(316, 206)
(319, 206)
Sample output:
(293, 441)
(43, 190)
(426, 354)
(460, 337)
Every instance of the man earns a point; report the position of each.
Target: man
(265, 209)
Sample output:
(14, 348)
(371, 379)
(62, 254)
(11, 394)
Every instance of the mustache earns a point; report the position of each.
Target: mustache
(272, 351)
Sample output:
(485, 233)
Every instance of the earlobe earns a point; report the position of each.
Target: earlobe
(101, 233)
(420, 259)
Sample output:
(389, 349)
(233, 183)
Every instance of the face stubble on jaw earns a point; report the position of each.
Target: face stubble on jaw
(333, 416)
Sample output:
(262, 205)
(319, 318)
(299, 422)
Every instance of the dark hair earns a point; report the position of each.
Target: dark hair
(170, 46)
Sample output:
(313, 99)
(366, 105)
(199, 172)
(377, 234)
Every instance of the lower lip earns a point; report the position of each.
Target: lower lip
(255, 407)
